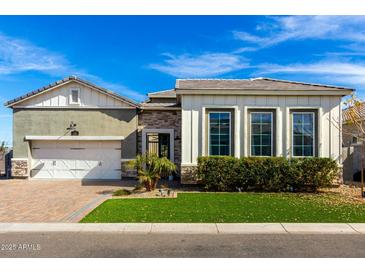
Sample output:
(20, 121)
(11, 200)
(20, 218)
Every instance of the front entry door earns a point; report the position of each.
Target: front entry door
(164, 145)
(159, 144)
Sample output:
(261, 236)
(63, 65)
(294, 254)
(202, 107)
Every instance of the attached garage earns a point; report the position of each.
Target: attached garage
(76, 157)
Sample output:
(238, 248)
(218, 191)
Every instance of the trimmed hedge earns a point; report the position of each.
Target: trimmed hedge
(224, 173)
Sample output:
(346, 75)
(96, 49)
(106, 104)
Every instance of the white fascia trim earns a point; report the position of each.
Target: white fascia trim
(73, 106)
(73, 138)
(261, 92)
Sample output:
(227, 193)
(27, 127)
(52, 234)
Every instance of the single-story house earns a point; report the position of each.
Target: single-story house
(75, 129)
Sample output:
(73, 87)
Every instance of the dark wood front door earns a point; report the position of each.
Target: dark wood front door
(159, 144)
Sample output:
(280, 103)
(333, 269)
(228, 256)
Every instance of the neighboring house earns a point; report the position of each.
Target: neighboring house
(2, 163)
(349, 130)
(5, 162)
(255, 117)
(351, 143)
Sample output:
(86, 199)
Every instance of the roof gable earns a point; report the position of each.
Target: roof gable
(111, 97)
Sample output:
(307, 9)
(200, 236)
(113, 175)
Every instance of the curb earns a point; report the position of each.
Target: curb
(189, 228)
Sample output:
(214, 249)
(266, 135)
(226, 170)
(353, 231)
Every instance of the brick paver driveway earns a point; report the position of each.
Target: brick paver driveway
(52, 201)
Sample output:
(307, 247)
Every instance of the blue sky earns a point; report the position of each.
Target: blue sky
(133, 55)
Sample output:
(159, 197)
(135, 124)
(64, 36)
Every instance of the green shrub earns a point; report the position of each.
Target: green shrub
(223, 173)
(122, 192)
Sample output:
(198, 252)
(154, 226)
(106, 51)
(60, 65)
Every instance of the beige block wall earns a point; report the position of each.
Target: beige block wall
(348, 131)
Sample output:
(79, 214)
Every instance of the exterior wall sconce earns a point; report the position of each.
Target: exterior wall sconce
(72, 128)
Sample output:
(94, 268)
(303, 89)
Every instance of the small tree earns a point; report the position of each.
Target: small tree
(2, 147)
(356, 117)
(150, 169)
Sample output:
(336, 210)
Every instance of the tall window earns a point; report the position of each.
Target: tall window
(261, 133)
(303, 134)
(219, 133)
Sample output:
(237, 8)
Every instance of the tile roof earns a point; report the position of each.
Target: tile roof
(160, 105)
(359, 112)
(170, 93)
(254, 84)
(69, 79)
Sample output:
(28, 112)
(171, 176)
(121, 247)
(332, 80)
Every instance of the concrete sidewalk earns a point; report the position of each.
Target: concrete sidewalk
(190, 228)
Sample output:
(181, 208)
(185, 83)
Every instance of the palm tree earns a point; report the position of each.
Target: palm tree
(150, 168)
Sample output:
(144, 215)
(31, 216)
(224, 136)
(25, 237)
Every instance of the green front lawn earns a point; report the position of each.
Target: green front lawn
(230, 208)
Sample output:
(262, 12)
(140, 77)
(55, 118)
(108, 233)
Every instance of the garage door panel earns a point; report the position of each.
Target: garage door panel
(76, 160)
(43, 164)
(89, 174)
(65, 174)
(42, 173)
(86, 164)
(98, 173)
(62, 164)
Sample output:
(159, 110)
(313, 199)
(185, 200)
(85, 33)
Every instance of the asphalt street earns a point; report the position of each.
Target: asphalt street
(118, 245)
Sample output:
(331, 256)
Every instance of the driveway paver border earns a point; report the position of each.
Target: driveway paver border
(79, 214)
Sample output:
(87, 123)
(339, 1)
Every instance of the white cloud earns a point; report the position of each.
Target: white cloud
(204, 65)
(119, 88)
(247, 37)
(339, 72)
(18, 56)
(244, 49)
(281, 29)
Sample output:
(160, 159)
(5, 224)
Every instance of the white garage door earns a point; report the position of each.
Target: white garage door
(76, 159)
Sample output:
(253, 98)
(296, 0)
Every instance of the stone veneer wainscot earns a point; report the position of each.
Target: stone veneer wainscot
(162, 119)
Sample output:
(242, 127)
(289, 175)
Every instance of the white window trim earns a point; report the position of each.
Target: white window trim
(272, 133)
(230, 132)
(78, 99)
(292, 133)
(237, 127)
(159, 130)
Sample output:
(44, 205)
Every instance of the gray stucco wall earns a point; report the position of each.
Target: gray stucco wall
(90, 122)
